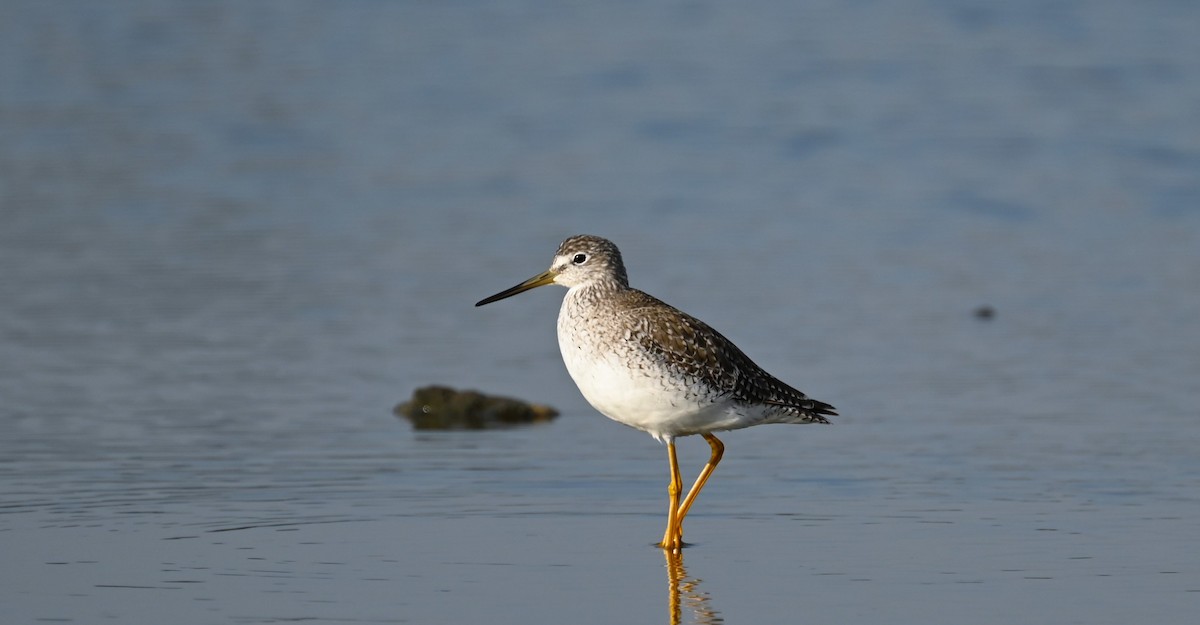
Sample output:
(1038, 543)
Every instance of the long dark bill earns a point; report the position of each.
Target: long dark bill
(541, 279)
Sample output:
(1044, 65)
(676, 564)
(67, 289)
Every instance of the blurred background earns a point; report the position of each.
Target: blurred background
(234, 234)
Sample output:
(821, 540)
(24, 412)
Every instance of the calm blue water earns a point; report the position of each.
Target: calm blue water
(235, 234)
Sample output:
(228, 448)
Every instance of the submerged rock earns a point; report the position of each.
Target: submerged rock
(444, 408)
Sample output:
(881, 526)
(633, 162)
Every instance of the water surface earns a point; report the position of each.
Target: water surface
(236, 234)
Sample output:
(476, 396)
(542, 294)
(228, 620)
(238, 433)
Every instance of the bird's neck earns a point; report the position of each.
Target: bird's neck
(596, 290)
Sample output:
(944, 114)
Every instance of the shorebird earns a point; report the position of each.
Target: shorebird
(653, 367)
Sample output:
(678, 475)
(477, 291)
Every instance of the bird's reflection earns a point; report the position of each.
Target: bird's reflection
(684, 591)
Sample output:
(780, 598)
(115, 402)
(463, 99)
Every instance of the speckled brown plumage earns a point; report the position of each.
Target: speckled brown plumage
(694, 351)
(672, 358)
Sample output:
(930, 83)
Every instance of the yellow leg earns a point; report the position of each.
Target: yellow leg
(718, 450)
(673, 537)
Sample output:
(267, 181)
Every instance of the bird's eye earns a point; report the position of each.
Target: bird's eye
(579, 259)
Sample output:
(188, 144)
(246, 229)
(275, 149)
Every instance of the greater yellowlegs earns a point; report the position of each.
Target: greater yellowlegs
(653, 367)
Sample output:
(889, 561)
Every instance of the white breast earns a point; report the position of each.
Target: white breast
(631, 389)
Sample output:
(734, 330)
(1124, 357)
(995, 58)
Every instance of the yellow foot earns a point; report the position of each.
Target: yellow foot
(672, 546)
(672, 540)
